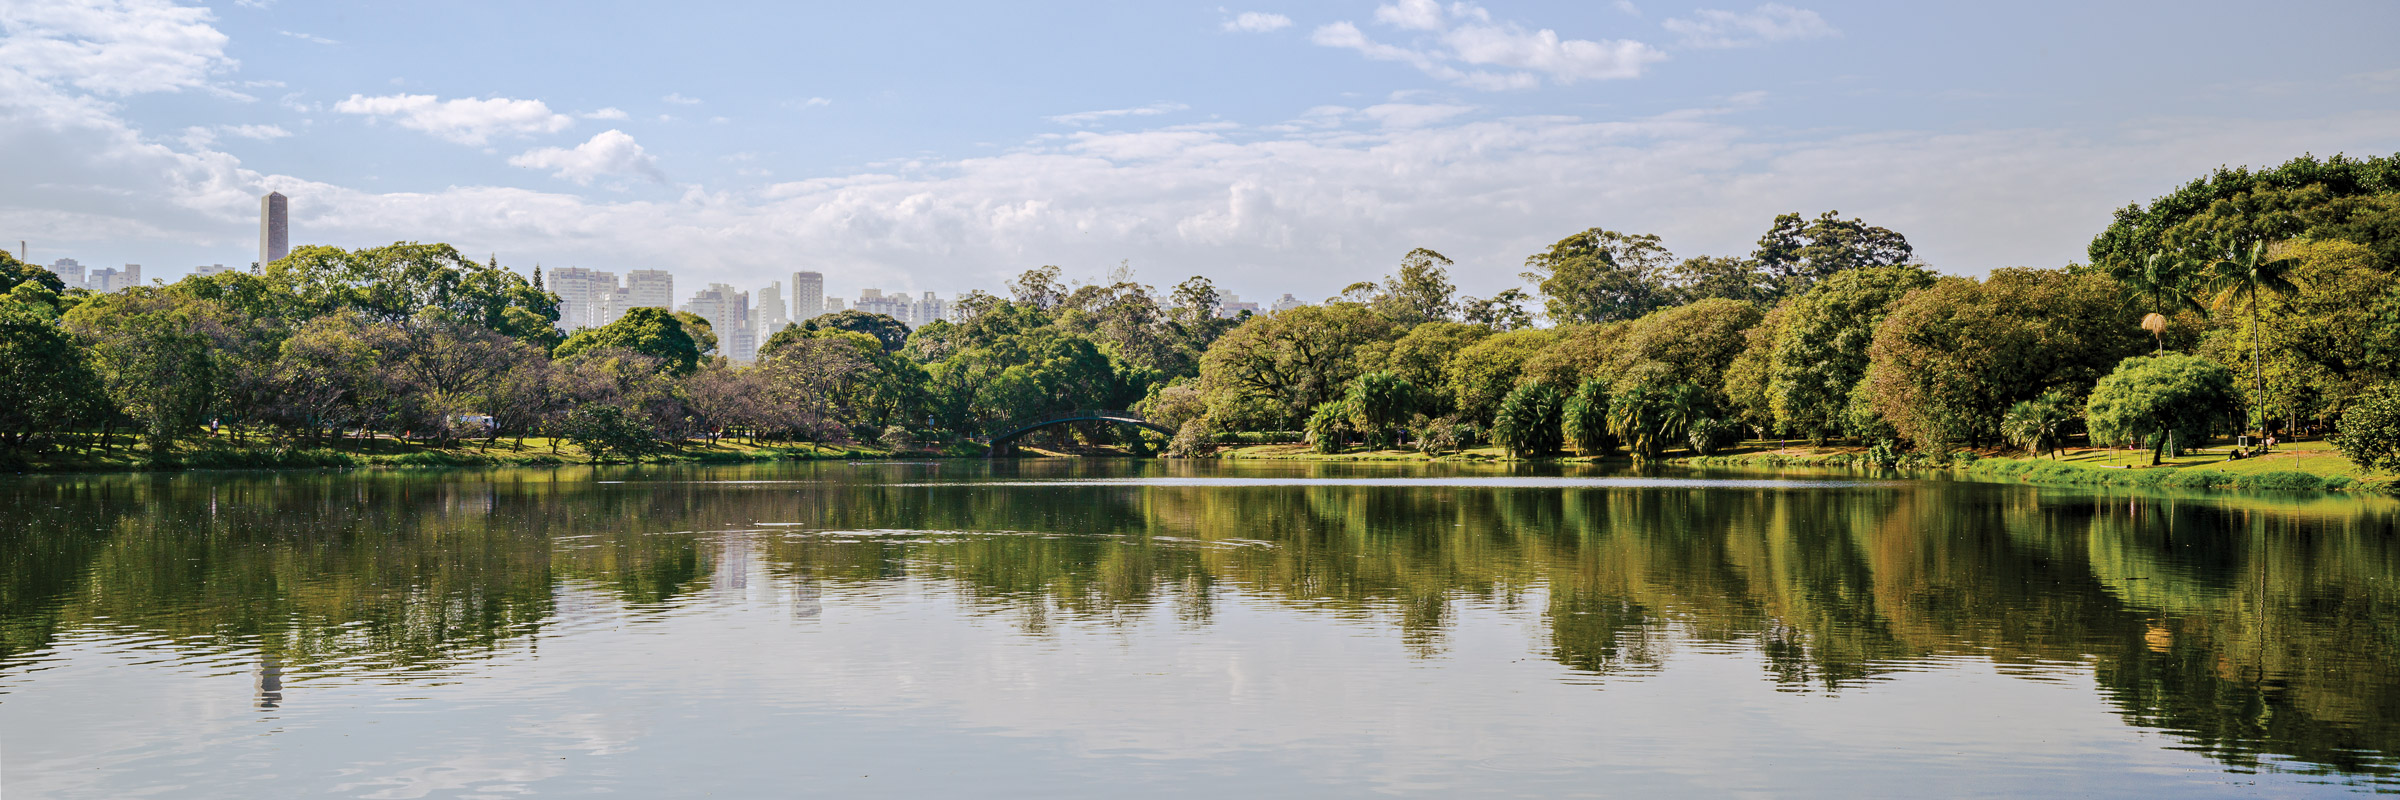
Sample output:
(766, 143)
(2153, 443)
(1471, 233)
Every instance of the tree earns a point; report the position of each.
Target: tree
(1699, 340)
(321, 373)
(1422, 358)
(1290, 362)
(654, 332)
(1480, 376)
(1705, 277)
(2370, 431)
(1795, 254)
(1528, 423)
(892, 333)
(14, 273)
(1949, 359)
(1586, 419)
(702, 332)
(603, 430)
(1504, 311)
(2244, 201)
(394, 282)
(1650, 414)
(1328, 426)
(152, 358)
(1421, 292)
(1822, 350)
(2039, 425)
(1379, 404)
(1601, 276)
(1038, 288)
(2245, 272)
(2160, 399)
(45, 382)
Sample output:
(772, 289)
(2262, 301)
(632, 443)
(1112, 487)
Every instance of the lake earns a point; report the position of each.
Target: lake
(1110, 628)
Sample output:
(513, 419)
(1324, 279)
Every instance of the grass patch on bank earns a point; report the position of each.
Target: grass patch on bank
(389, 453)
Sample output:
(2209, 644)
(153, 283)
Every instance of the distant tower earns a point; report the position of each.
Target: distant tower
(808, 296)
(274, 229)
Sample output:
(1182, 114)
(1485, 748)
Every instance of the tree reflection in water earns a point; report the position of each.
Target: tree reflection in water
(2251, 628)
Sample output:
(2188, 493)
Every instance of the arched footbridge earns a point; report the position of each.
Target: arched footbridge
(1013, 431)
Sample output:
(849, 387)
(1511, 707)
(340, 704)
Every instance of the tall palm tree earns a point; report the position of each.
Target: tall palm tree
(2244, 273)
(2163, 284)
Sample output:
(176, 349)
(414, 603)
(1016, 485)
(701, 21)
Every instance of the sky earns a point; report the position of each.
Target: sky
(1272, 146)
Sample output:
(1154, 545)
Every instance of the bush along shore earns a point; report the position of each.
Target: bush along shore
(2300, 470)
(387, 453)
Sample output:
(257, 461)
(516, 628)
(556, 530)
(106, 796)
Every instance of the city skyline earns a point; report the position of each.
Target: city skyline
(1278, 147)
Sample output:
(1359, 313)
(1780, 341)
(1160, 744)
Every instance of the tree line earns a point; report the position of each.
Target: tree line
(2260, 301)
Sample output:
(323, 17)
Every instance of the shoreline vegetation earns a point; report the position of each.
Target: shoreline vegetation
(2305, 466)
(2259, 309)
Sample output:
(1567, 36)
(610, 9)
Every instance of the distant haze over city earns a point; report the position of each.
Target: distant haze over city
(1277, 148)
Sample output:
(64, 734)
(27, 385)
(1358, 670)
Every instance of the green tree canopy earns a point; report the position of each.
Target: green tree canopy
(1602, 276)
(394, 282)
(654, 332)
(1796, 253)
(891, 332)
(1821, 353)
(2155, 399)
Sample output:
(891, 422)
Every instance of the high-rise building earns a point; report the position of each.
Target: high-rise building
(728, 313)
(112, 280)
(274, 229)
(206, 270)
(649, 288)
(1231, 306)
(808, 296)
(833, 305)
(69, 271)
(767, 311)
(586, 298)
(1286, 303)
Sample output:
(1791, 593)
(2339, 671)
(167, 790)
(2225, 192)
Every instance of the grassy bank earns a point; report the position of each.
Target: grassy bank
(364, 453)
(2303, 466)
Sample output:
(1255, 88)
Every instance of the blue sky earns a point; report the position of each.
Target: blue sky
(1277, 147)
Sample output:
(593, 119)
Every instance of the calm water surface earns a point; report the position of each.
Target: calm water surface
(1110, 628)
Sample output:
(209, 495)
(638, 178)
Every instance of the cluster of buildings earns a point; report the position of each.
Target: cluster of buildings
(589, 298)
(742, 320)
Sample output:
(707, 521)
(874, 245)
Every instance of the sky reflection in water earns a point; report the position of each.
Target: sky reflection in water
(1094, 629)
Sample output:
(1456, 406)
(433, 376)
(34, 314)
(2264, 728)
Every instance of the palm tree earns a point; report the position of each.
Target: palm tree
(2039, 425)
(2163, 284)
(2245, 273)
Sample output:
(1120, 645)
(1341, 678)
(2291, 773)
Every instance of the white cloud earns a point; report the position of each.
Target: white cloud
(1464, 34)
(1627, 7)
(1088, 118)
(1773, 22)
(1257, 22)
(612, 152)
(259, 132)
(678, 99)
(309, 37)
(815, 102)
(611, 112)
(467, 120)
(111, 47)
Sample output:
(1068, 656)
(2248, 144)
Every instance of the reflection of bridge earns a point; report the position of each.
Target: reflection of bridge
(1015, 430)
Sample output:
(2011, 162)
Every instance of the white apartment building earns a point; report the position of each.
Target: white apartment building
(586, 298)
(915, 312)
(1231, 306)
(728, 313)
(112, 280)
(767, 311)
(1286, 303)
(808, 296)
(69, 271)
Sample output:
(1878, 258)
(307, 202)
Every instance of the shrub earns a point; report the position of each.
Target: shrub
(1191, 441)
(2369, 433)
(1528, 423)
(1586, 416)
(1329, 426)
(1709, 435)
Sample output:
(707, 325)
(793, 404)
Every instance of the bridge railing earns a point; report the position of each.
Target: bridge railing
(1022, 424)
